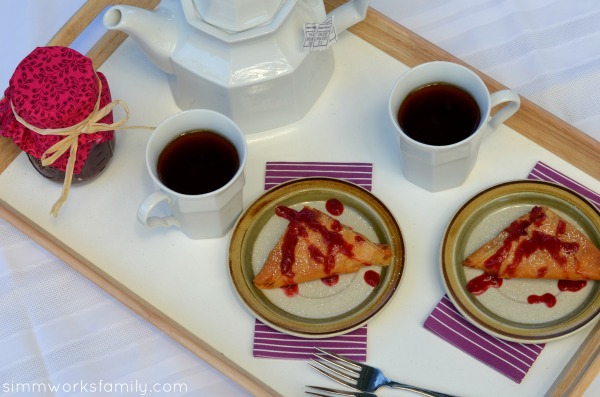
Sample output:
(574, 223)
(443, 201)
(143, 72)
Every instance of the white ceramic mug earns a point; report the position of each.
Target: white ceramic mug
(208, 215)
(437, 168)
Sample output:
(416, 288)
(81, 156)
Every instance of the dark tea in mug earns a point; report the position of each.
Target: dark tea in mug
(197, 162)
(439, 114)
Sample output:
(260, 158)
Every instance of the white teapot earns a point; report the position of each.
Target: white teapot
(242, 58)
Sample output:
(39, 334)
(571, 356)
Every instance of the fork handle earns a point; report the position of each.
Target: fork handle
(424, 392)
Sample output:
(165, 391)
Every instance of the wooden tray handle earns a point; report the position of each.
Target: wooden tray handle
(581, 371)
(536, 124)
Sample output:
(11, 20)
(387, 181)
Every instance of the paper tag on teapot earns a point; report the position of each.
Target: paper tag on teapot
(319, 36)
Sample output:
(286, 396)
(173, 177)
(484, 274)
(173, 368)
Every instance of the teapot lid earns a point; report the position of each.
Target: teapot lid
(237, 15)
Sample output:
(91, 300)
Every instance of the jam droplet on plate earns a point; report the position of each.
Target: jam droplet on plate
(291, 290)
(482, 283)
(548, 299)
(571, 285)
(331, 280)
(334, 207)
(372, 278)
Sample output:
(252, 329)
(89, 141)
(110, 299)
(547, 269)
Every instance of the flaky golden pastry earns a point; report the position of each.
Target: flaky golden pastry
(316, 246)
(539, 244)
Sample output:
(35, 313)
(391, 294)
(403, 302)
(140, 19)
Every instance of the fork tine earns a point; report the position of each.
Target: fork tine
(323, 389)
(316, 394)
(335, 366)
(354, 364)
(334, 392)
(341, 378)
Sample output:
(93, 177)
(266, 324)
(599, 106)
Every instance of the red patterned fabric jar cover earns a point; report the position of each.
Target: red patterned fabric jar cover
(56, 108)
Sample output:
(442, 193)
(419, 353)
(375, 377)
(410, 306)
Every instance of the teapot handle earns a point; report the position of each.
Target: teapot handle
(349, 14)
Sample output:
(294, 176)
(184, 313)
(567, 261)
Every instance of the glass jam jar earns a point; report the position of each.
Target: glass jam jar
(57, 106)
(97, 160)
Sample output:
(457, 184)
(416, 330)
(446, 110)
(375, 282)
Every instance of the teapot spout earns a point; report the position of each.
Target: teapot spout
(155, 31)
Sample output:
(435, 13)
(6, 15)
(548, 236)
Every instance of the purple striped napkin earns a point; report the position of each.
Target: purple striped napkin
(510, 358)
(270, 343)
(546, 173)
(283, 171)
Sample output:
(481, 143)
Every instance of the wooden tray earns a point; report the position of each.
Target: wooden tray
(536, 124)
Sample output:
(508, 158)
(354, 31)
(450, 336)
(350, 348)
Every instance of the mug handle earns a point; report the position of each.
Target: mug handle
(148, 205)
(513, 103)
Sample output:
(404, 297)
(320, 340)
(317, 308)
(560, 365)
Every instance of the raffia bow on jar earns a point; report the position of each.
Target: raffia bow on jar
(59, 111)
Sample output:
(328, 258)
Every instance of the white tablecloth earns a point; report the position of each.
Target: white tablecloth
(57, 329)
(546, 50)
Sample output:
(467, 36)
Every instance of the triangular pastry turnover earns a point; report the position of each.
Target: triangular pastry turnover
(539, 244)
(316, 246)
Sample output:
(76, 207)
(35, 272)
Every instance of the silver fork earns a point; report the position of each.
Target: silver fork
(358, 376)
(327, 392)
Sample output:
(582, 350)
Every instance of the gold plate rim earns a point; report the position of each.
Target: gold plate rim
(306, 189)
(503, 195)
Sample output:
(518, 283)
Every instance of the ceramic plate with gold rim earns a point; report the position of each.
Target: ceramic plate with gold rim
(505, 311)
(317, 309)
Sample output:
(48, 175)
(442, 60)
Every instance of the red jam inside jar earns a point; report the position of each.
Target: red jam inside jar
(99, 157)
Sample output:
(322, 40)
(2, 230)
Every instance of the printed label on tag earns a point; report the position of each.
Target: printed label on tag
(319, 36)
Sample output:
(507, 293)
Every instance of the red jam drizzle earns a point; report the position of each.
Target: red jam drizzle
(291, 290)
(334, 207)
(563, 285)
(302, 221)
(571, 285)
(541, 241)
(372, 278)
(290, 240)
(538, 241)
(548, 299)
(561, 228)
(482, 283)
(541, 272)
(331, 280)
(336, 226)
